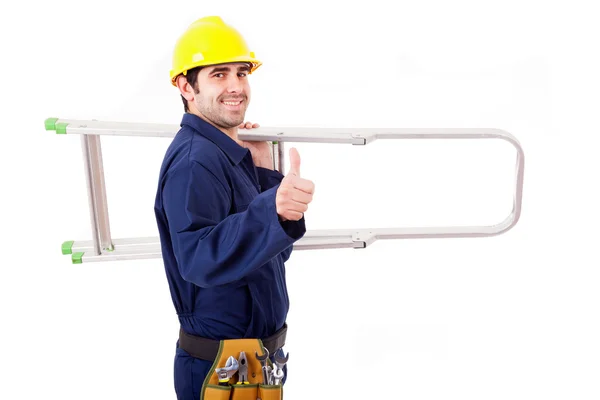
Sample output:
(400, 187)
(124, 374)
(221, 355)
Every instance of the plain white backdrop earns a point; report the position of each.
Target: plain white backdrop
(509, 317)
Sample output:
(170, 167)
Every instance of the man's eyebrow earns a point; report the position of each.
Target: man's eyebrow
(227, 69)
(219, 69)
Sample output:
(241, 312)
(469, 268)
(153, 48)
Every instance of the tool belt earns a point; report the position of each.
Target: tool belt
(241, 368)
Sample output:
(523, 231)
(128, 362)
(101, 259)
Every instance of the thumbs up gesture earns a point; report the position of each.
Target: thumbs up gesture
(294, 193)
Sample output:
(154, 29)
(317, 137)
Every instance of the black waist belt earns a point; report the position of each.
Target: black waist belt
(207, 349)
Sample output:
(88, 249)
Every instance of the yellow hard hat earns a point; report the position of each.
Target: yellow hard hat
(210, 41)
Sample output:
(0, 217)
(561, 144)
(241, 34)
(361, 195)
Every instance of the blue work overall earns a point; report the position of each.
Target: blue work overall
(223, 244)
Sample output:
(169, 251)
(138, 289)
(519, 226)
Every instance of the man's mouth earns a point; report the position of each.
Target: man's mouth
(232, 103)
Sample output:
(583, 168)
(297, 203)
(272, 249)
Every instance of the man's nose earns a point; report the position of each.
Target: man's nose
(234, 84)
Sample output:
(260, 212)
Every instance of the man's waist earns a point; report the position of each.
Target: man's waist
(208, 349)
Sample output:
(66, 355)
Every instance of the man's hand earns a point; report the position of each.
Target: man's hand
(294, 193)
(261, 151)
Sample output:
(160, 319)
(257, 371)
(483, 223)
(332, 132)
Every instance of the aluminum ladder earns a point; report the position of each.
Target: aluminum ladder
(102, 247)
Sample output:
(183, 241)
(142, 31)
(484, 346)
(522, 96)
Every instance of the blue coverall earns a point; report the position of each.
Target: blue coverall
(223, 244)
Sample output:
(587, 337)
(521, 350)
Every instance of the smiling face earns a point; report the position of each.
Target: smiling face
(221, 94)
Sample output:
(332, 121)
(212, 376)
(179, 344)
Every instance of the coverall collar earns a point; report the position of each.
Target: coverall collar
(230, 147)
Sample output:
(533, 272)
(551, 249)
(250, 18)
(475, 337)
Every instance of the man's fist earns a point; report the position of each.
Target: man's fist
(294, 193)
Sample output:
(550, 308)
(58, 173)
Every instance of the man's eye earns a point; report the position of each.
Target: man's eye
(242, 74)
(218, 75)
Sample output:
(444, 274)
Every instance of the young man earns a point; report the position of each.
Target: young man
(227, 220)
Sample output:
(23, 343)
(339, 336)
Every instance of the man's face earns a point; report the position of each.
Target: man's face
(223, 94)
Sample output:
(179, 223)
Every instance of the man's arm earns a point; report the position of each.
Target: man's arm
(268, 179)
(214, 248)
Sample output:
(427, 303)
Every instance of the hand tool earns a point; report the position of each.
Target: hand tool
(243, 370)
(270, 375)
(277, 376)
(280, 361)
(225, 373)
(263, 361)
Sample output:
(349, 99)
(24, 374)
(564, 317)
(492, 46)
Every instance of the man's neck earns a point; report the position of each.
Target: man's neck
(231, 132)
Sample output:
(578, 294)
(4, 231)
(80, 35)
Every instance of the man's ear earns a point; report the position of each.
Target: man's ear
(185, 88)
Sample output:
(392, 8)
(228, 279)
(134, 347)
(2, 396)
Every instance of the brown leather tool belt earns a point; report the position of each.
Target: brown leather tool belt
(207, 349)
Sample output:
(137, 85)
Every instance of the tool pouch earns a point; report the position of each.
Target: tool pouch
(211, 390)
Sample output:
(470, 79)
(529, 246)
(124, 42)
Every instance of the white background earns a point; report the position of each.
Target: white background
(508, 317)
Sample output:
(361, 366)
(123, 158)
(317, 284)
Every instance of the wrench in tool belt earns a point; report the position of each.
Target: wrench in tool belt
(276, 376)
(263, 361)
(228, 371)
(280, 361)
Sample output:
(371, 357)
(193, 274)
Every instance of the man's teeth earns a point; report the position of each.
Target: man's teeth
(232, 103)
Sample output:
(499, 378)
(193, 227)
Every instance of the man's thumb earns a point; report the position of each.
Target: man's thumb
(294, 162)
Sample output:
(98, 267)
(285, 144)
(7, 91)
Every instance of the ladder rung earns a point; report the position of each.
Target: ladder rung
(149, 247)
(357, 136)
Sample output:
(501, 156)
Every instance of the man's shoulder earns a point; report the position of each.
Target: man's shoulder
(195, 147)
(203, 150)
(190, 150)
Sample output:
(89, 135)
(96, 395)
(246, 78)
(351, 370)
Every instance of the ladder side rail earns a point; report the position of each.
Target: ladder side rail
(99, 192)
(96, 189)
(89, 179)
(508, 223)
(279, 156)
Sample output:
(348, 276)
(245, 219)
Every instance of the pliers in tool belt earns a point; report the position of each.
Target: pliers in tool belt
(243, 370)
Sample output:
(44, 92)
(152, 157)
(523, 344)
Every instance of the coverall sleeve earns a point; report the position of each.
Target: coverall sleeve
(212, 247)
(268, 178)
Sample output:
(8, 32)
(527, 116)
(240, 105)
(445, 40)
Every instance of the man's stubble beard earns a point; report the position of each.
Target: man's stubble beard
(223, 121)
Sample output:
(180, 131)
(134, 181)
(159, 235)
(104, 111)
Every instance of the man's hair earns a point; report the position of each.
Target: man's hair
(192, 78)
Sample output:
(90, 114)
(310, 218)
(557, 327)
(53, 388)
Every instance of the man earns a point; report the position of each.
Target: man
(227, 220)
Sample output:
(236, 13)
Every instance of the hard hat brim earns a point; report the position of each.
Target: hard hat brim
(254, 64)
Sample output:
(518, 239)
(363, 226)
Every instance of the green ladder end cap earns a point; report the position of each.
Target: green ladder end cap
(50, 124)
(77, 257)
(61, 127)
(67, 247)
